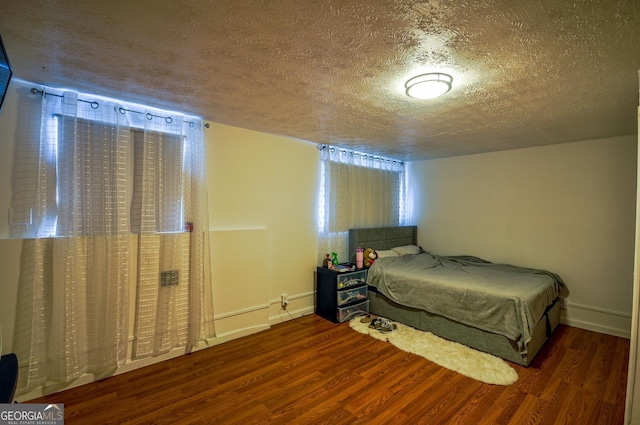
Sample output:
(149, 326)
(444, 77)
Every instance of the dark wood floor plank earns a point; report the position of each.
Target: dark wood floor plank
(616, 389)
(427, 376)
(311, 371)
(530, 411)
(477, 408)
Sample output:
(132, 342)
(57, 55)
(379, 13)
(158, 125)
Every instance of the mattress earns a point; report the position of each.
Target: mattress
(498, 298)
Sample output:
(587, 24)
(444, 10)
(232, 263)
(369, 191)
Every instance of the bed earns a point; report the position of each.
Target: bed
(500, 309)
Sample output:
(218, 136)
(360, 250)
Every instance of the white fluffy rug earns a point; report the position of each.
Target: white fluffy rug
(451, 355)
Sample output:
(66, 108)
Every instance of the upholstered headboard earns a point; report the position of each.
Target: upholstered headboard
(381, 238)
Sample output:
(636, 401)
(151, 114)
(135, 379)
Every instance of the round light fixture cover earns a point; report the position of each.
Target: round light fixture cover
(428, 86)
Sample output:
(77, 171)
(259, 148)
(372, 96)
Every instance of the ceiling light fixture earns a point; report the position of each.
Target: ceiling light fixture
(428, 86)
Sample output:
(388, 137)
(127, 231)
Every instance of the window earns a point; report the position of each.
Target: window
(357, 190)
(110, 169)
(162, 155)
(90, 175)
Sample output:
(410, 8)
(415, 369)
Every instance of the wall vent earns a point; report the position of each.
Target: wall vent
(169, 278)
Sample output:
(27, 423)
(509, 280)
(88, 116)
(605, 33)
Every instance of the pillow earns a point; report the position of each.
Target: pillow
(406, 250)
(387, 253)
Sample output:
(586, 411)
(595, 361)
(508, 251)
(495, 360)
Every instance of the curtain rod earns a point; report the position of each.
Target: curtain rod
(323, 147)
(95, 105)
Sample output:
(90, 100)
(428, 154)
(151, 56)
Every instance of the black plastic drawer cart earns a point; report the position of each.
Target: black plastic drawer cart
(341, 296)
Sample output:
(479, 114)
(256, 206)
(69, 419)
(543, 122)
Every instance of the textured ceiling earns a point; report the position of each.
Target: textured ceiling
(526, 73)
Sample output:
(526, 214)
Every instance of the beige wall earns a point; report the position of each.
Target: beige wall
(9, 249)
(265, 185)
(632, 405)
(568, 208)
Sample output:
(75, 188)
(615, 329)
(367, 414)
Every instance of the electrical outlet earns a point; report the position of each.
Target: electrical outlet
(563, 303)
(284, 300)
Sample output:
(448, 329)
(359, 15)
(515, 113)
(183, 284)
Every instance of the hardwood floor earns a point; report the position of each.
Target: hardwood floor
(311, 371)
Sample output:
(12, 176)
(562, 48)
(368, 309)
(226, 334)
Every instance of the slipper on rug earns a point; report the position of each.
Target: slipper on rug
(472, 363)
(375, 323)
(387, 326)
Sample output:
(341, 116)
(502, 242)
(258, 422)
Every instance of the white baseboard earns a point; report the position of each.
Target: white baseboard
(221, 338)
(284, 316)
(299, 305)
(597, 319)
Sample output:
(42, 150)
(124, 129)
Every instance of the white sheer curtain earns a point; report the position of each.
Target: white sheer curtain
(120, 198)
(357, 190)
(169, 208)
(74, 285)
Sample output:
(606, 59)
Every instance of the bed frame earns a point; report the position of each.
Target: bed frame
(498, 345)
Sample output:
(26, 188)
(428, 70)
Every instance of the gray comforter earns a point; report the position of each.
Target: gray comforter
(498, 298)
